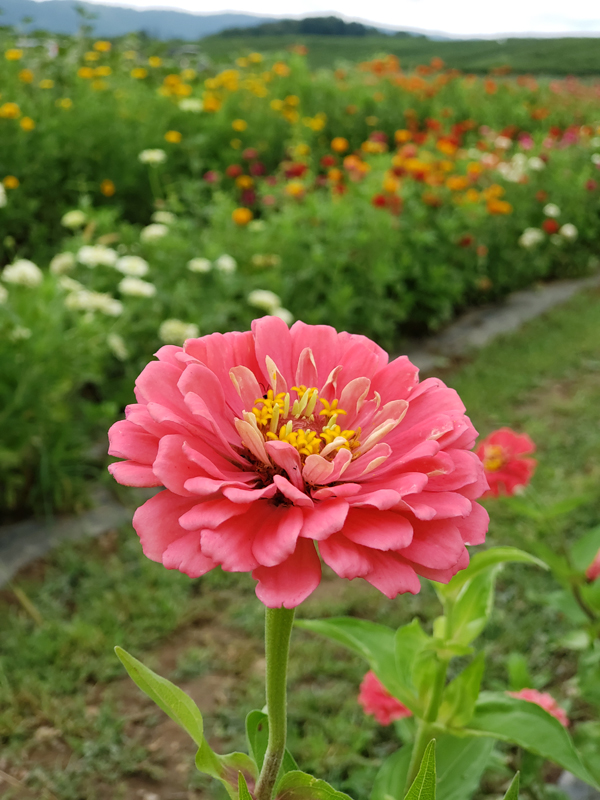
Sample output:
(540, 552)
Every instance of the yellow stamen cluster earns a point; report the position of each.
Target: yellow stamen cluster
(493, 458)
(281, 418)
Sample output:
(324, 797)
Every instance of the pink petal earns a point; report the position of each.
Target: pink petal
(210, 514)
(392, 575)
(288, 584)
(326, 518)
(289, 491)
(317, 470)
(201, 381)
(157, 522)
(272, 339)
(384, 530)
(443, 504)
(246, 385)
(396, 380)
(443, 575)
(382, 499)
(323, 340)
(213, 463)
(346, 559)
(352, 398)
(186, 556)
(230, 545)
(288, 458)
(306, 371)
(276, 538)
(171, 465)
(437, 545)
(467, 469)
(129, 473)
(157, 383)
(244, 494)
(128, 440)
(340, 490)
(474, 527)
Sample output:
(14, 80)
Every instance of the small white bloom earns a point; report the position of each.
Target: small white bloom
(2, 196)
(256, 225)
(62, 262)
(265, 299)
(530, 237)
(85, 300)
(536, 164)
(152, 156)
(70, 285)
(3, 295)
(284, 314)
(117, 346)
(191, 104)
(226, 263)
(502, 142)
(133, 265)
(174, 331)
(23, 272)
(569, 231)
(551, 210)
(74, 219)
(153, 232)
(199, 265)
(596, 158)
(164, 216)
(519, 160)
(97, 255)
(136, 287)
(20, 333)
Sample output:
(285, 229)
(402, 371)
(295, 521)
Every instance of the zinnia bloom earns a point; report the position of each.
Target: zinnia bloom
(502, 457)
(593, 571)
(376, 700)
(545, 701)
(276, 441)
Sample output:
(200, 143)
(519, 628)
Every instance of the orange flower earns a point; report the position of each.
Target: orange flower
(339, 144)
(244, 182)
(27, 124)
(491, 87)
(107, 187)
(493, 192)
(281, 68)
(295, 189)
(173, 137)
(26, 76)
(446, 146)
(210, 102)
(457, 183)
(242, 216)
(10, 182)
(390, 184)
(335, 174)
(495, 206)
(102, 46)
(401, 136)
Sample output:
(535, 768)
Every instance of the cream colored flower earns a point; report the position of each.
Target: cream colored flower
(74, 219)
(284, 314)
(24, 273)
(136, 287)
(191, 104)
(265, 299)
(152, 157)
(199, 265)
(174, 331)
(569, 232)
(133, 265)
(62, 262)
(153, 232)
(97, 255)
(117, 346)
(165, 217)
(226, 263)
(86, 300)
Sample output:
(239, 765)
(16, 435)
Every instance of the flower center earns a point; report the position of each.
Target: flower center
(311, 428)
(493, 458)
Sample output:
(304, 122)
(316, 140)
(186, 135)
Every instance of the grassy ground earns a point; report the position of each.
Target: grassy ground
(568, 56)
(72, 728)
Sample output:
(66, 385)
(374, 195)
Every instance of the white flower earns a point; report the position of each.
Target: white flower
(2, 196)
(23, 272)
(595, 142)
(174, 331)
(132, 265)
(116, 344)
(256, 225)
(3, 295)
(153, 232)
(265, 299)
(62, 262)
(569, 232)
(70, 285)
(502, 142)
(536, 164)
(86, 300)
(152, 156)
(136, 287)
(164, 216)
(530, 237)
(74, 219)
(551, 210)
(191, 104)
(199, 265)
(596, 158)
(510, 172)
(226, 263)
(20, 333)
(283, 314)
(97, 255)
(519, 160)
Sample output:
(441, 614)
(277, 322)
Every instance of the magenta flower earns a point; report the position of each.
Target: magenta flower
(502, 454)
(592, 573)
(545, 701)
(376, 700)
(275, 442)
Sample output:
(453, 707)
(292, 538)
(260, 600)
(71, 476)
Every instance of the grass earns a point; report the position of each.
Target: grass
(72, 728)
(566, 56)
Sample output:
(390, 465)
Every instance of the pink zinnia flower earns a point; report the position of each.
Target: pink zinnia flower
(502, 457)
(545, 701)
(376, 700)
(593, 571)
(272, 442)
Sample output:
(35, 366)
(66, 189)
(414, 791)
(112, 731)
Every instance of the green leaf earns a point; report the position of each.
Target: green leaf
(300, 786)
(413, 652)
(460, 765)
(473, 607)
(522, 507)
(519, 676)
(512, 792)
(584, 550)
(173, 700)
(243, 793)
(460, 696)
(423, 787)
(390, 780)
(257, 733)
(482, 561)
(226, 768)
(565, 506)
(529, 726)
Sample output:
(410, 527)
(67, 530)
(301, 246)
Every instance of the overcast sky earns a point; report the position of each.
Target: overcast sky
(458, 17)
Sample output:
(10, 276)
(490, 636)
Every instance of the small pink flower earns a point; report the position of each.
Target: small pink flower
(376, 700)
(593, 571)
(545, 701)
(502, 457)
(279, 447)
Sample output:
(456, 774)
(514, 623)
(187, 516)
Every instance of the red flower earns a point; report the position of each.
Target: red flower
(502, 457)
(257, 168)
(211, 176)
(328, 161)
(234, 171)
(466, 240)
(550, 226)
(249, 154)
(276, 441)
(593, 571)
(541, 196)
(379, 201)
(545, 701)
(591, 185)
(294, 170)
(376, 700)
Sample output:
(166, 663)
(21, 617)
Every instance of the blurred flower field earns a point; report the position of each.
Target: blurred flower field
(147, 196)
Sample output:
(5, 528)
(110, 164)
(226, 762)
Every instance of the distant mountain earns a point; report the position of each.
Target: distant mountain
(311, 26)
(60, 16)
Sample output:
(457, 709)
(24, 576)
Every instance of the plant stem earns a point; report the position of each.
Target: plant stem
(27, 605)
(278, 629)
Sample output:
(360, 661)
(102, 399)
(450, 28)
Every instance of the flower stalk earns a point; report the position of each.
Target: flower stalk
(278, 630)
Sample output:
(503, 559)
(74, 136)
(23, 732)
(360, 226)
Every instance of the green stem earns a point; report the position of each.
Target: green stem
(27, 604)
(278, 630)
(425, 725)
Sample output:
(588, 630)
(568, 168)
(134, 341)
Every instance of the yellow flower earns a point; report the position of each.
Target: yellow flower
(26, 76)
(10, 182)
(339, 144)
(107, 187)
(171, 80)
(46, 83)
(102, 46)
(103, 71)
(281, 68)
(471, 196)
(244, 182)
(493, 192)
(242, 62)
(239, 125)
(14, 54)
(255, 58)
(182, 90)
(91, 55)
(139, 73)
(129, 55)
(402, 135)
(390, 184)
(64, 102)
(27, 124)
(10, 111)
(155, 61)
(276, 104)
(292, 100)
(301, 149)
(291, 115)
(189, 74)
(99, 86)
(174, 137)
(295, 189)
(474, 168)
(87, 73)
(242, 216)
(210, 102)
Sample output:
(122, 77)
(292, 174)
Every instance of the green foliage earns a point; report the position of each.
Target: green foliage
(423, 786)
(300, 786)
